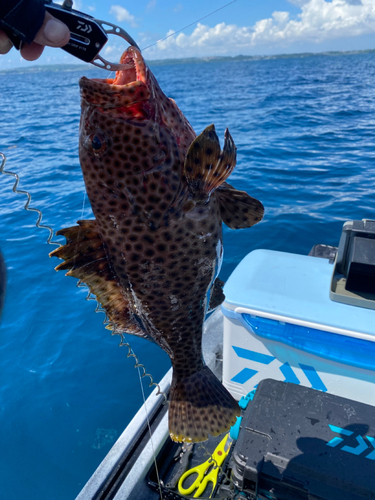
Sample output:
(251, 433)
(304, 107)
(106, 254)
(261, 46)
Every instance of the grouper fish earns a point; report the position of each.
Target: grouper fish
(153, 252)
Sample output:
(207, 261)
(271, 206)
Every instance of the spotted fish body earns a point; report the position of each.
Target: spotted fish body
(153, 252)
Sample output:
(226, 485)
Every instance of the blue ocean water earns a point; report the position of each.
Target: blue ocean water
(305, 133)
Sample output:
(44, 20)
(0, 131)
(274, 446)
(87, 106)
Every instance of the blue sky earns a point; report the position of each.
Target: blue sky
(248, 27)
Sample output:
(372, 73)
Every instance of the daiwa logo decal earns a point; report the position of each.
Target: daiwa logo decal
(355, 450)
(265, 359)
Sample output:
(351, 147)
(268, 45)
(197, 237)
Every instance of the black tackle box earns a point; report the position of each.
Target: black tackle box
(299, 443)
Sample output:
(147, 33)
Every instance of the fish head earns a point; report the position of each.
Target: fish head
(130, 129)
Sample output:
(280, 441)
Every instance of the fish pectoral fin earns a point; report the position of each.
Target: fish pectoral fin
(206, 166)
(217, 296)
(85, 258)
(238, 209)
(200, 406)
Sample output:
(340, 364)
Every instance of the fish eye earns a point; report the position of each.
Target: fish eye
(96, 143)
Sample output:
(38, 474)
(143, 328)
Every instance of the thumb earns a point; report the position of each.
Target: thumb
(53, 32)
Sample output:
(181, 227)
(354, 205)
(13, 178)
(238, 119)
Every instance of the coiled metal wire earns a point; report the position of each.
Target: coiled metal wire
(28, 201)
(80, 284)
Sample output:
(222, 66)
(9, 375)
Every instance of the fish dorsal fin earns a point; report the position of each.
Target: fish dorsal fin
(85, 257)
(238, 209)
(206, 166)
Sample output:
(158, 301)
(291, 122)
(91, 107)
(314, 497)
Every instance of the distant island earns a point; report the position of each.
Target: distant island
(187, 60)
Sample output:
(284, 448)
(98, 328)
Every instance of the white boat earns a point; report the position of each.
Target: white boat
(301, 321)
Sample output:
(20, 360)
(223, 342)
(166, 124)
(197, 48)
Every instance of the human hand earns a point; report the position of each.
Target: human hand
(53, 33)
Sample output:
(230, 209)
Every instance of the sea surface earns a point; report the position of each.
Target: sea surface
(305, 133)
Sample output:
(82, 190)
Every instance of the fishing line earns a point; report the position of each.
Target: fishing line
(80, 284)
(27, 207)
(123, 343)
(149, 430)
(137, 364)
(83, 204)
(188, 26)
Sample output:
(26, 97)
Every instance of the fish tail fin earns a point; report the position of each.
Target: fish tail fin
(200, 406)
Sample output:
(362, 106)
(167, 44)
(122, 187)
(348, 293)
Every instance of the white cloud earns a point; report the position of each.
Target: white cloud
(108, 50)
(151, 5)
(122, 14)
(318, 21)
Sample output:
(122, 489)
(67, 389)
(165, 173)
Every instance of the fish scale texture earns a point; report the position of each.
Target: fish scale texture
(156, 242)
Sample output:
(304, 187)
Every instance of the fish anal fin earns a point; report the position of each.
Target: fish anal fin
(217, 296)
(206, 166)
(200, 406)
(238, 209)
(85, 258)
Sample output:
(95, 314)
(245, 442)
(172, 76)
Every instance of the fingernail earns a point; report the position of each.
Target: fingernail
(55, 31)
(5, 45)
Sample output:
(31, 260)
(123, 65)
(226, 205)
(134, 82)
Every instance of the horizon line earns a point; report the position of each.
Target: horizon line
(194, 59)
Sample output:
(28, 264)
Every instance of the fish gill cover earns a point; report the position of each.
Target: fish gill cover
(152, 255)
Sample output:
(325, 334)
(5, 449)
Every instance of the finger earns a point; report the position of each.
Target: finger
(32, 51)
(5, 43)
(53, 32)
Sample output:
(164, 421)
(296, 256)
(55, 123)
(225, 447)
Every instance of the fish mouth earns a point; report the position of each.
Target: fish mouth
(135, 69)
(129, 87)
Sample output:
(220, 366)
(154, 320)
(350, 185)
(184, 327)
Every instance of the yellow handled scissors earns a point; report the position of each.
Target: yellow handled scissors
(207, 472)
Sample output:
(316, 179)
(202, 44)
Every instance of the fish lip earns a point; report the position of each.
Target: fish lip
(132, 60)
(127, 81)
